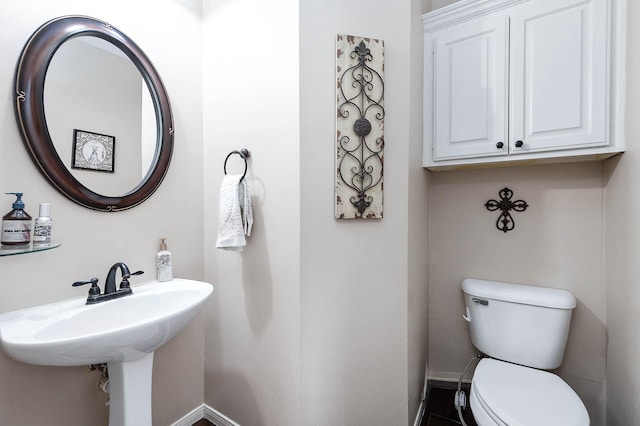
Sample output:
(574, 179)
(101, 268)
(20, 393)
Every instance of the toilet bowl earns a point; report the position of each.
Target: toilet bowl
(507, 394)
(523, 330)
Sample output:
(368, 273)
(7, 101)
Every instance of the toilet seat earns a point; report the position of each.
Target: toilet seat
(507, 394)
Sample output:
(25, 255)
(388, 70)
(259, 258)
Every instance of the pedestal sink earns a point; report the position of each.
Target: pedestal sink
(123, 333)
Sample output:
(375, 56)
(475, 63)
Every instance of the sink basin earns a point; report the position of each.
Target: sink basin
(123, 333)
(70, 333)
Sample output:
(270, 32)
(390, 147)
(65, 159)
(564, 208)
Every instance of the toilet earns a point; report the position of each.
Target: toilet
(523, 331)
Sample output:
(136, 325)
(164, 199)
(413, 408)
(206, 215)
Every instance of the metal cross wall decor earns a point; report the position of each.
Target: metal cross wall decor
(505, 221)
(359, 127)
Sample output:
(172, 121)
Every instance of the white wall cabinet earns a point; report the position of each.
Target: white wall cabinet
(510, 81)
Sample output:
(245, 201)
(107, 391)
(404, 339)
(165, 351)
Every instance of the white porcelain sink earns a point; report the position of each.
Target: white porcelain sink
(122, 332)
(71, 333)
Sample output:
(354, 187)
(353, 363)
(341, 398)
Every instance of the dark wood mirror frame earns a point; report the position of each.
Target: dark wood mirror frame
(29, 85)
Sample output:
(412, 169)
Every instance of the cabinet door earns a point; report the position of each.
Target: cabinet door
(470, 89)
(558, 75)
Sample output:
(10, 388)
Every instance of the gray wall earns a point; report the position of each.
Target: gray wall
(251, 100)
(93, 241)
(312, 325)
(622, 206)
(557, 242)
(294, 327)
(580, 233)
(277, 309)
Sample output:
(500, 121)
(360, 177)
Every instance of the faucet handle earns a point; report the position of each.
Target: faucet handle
(125, 280)
(94, 290)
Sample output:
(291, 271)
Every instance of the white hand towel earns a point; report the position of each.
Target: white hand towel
(245, 205)
(236, 215)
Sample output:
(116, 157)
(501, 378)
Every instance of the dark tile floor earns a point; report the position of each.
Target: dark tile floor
(441, 411)
(203, 422)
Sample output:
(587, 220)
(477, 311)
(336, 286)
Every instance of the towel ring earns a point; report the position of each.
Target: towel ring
(244, 153)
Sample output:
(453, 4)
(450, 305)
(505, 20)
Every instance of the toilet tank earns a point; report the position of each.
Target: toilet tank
(522, 324)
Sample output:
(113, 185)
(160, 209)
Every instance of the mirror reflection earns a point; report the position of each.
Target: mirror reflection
(100, 115)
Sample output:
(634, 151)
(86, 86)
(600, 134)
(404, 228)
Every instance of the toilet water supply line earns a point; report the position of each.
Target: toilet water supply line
(460, 400)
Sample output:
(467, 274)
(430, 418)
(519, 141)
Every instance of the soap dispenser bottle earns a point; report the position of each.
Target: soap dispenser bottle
(163, 262)
(16, 225)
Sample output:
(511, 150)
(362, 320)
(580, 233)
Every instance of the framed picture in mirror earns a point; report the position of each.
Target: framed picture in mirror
(93, 151)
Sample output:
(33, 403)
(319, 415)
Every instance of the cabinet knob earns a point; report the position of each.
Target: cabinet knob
(499, 145)
(519, 144)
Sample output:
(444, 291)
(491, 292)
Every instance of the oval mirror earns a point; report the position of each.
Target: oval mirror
(93, 113)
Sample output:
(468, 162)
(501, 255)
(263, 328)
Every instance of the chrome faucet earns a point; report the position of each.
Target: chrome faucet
(110, 291)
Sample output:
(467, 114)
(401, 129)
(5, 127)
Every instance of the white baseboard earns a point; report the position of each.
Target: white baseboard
(420, 414)
(445, 379)
(205, 412)
(217, 417)
(191, 417)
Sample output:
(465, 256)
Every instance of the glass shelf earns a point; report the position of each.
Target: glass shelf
(6, 250)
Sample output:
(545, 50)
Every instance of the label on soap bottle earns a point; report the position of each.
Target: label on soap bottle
(163, 265)
(16, 231)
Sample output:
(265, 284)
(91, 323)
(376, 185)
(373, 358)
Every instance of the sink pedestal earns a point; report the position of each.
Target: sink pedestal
(130, 392)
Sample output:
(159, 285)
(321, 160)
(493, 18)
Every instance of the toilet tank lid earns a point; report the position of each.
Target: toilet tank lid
(518, 293)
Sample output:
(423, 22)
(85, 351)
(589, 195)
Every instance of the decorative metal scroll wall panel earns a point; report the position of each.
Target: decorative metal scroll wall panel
(359, 127)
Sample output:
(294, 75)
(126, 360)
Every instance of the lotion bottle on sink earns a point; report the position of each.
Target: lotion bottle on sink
(163, 262)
